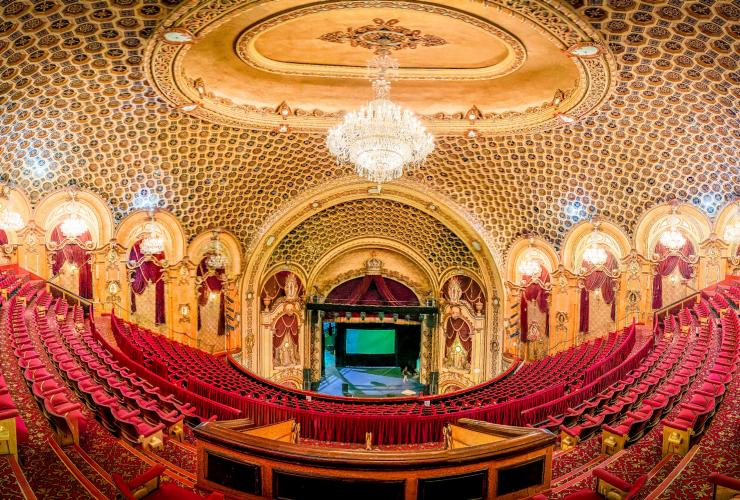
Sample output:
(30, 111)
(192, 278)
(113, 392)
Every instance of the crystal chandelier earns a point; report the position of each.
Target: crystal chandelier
(595, 255)
(216, 259)
(153, 241)
(10, 220)
(529, 266)
(672, 239)
(73, 226)
(732, 233)
(380, 138)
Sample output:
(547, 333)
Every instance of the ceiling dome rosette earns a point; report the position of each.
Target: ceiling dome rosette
(235, 63)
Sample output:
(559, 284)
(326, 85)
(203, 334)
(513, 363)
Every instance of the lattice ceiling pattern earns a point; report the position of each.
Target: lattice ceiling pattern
(315, 236)
(75, 105)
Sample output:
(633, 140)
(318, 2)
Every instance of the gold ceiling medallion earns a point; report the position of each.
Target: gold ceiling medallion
(383, 36)
(506, 57)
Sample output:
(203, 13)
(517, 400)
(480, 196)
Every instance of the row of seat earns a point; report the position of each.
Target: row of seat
(13, 430)
(682, 431)
(54, 401)
(123, 403)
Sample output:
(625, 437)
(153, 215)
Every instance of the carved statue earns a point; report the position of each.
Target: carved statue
(454, 290)
(291, 287)
(457, 357)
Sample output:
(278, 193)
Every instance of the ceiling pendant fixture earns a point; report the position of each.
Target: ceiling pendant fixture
(73, 226)
(10, 220)
(595, 253)
(380, 139)
(529, 266)
(672, 239)
(732, 233)
(153, 241)
(216, 260)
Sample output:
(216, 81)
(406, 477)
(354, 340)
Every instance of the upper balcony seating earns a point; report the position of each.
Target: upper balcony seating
(13, 430)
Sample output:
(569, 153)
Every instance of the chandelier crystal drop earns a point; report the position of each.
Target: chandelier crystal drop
(73, 226)
(672, 239)
(529, 267)
(153, 242)
(381, 138)
(10, 220)
(216, 259)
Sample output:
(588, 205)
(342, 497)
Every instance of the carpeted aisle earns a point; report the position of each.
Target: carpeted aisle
(9, 487)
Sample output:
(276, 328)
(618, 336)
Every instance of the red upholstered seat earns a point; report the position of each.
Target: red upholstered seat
(150, 480)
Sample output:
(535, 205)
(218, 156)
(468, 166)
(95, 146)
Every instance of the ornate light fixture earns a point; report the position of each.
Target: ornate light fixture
(381, 138)
(732, 232)
(216, 259)
(529, 267)
(672, 239)
(9, 219)
(595, 254)
(73, 226)
(153, 242)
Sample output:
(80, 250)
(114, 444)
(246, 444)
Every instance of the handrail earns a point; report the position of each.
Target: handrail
(680, 302)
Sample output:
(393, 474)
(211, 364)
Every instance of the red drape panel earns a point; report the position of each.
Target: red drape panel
(373, 290)
(471, 290)
(3, 238)
(148, 272)
(598, 279)
(76, 255)
(458, 328)
(285, 324)
(274, 287)
(666, 266)
(212, 283)
(583, 311)
(535, 292)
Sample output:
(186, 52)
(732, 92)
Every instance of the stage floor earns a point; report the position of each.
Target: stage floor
(367, 382)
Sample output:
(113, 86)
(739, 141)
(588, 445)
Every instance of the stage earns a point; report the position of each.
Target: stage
(366, 382)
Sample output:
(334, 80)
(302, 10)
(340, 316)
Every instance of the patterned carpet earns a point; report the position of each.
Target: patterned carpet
(9, 487)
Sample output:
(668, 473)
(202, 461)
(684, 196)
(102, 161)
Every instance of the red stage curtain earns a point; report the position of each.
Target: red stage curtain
(3, 238)
(667, 264)
(373, 290)
(148, 272)
(212, 283)
(471, 290)
(76, 255)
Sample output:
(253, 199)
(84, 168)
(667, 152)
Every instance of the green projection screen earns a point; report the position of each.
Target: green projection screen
(370, 341)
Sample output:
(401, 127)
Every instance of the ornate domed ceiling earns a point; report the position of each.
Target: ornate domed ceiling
(236, 62)
(76, 104)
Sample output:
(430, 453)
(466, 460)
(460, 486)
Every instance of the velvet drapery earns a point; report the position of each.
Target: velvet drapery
(213, 283)
(373, 289)
(147, 273)
(667, 264)
(287, 324)
(598, 279)
(274, 287)
(75, 255)
(535, 292)
(471, 290)
(458, 328)
(3, 238)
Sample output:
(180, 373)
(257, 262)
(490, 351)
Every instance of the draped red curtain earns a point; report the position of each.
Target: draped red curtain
(458, 328)
(212, 283)
(145, 274)
(3, 238)
(667, 264)
(76, 255)
(471, 290)
(373, 290)
(535, 292)
(598, 279)
(274, 288)
(287, 324)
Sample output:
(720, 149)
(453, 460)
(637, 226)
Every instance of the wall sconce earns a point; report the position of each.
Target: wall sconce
(184, 313)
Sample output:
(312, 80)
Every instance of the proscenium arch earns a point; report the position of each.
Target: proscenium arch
(375, 243)
(463, 224)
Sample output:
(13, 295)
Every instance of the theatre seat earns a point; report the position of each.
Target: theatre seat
(608, 487)
(149, 485)
(724, 487)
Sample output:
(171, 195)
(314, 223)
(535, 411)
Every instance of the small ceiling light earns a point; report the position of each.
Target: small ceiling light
(216, 260)
(567, 119)
(471, 133)
(595, 254)
(9, 219)
(585, 50)
(177, 36)
(529, 266)
(187, 108)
